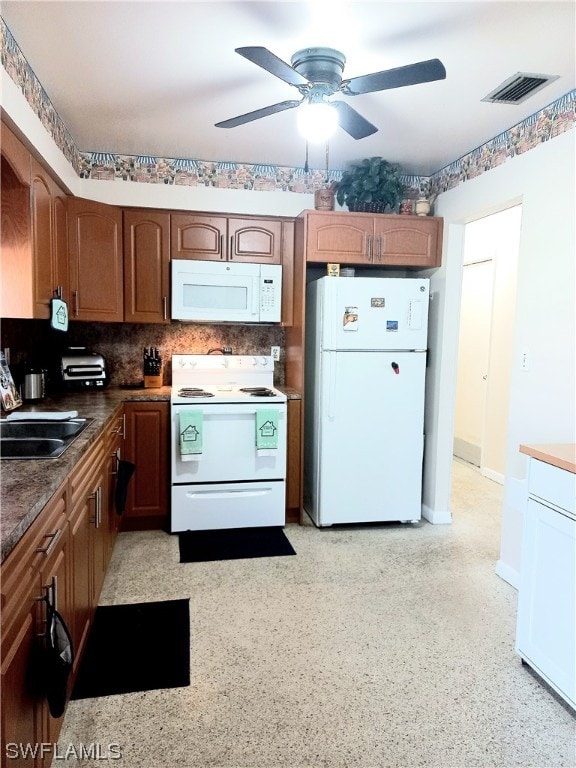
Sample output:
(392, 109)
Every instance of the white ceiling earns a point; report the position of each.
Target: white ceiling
(152, 78)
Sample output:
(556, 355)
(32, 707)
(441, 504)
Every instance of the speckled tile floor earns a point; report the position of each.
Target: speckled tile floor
(375, 647)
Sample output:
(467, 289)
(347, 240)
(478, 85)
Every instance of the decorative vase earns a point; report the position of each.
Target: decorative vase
(422, 207)
(324, 199)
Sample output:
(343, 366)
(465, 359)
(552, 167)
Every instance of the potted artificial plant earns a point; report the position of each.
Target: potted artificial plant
(374, 185)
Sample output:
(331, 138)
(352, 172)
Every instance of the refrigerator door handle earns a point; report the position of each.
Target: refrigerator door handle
(331, 360)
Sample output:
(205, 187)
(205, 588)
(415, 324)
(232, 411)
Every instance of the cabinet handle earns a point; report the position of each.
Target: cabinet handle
(75, 305)
(379, 248)
(50, 546)
(369, 247)
(51, 594)
(231, 250)
(115, 455)
(165, 307)
(121, 429)
(222, 243)
(97, 496)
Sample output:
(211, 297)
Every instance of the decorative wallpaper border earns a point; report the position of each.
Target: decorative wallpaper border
(556, 118)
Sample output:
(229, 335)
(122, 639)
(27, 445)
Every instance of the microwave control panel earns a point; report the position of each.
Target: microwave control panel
(270, 293)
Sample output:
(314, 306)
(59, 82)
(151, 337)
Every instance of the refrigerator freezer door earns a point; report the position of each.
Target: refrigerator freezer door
(373, 313)
(366, 464)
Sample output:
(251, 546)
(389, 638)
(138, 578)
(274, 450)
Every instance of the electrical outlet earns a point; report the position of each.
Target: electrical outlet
(275, 352)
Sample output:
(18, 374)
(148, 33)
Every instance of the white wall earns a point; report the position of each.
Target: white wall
(542, 403)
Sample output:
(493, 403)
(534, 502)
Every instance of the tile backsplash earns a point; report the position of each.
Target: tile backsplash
(122, 344)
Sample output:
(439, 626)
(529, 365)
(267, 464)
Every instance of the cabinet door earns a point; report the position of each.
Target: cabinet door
(255, 241)
(345, 239)
(114, 453)
(408, 241)
(42, 240)
(146, 266)
(547, 596)
(198, 237)
(146, 445)
(95, 250)
(49, 240)
(86, 548)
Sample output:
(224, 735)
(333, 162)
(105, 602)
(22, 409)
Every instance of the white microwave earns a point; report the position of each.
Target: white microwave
(226, 292)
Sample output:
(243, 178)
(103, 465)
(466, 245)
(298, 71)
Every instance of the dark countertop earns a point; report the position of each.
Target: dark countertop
(26, 486)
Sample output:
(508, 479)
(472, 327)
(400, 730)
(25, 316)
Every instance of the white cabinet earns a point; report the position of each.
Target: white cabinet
(546, 636)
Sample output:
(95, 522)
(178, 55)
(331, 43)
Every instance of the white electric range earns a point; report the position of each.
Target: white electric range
(230, 480)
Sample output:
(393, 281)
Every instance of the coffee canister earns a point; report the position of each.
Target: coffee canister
(33, 384)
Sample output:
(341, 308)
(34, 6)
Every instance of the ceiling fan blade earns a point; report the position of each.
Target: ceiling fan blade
(411, 74)
(261, 56)
(352, 122)
(258, 113)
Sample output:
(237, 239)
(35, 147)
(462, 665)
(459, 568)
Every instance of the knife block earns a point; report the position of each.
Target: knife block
(153, 381)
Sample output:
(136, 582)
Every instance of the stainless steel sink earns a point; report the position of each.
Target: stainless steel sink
(31, 448)
(58, 429)
(38, 439)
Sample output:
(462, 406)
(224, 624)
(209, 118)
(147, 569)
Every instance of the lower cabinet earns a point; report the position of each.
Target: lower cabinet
(63, 555)
(545, 635)
(38, 564)
(146, 446)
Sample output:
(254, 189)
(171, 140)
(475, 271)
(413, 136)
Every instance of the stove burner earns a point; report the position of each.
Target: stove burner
(258, 391)
(194, 392)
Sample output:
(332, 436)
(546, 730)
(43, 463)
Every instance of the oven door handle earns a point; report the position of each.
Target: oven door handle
(215, 494)
(239, 409)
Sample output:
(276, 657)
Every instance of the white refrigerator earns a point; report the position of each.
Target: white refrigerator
(366, 341)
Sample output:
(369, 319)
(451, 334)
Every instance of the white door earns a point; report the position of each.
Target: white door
(370, 438)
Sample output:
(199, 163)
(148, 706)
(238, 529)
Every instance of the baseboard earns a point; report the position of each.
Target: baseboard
(507, 573)
(498, 477)
(467, 451)
(435, 517)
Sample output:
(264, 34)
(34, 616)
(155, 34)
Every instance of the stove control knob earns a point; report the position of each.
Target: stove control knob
(264, 362)
(254, 361)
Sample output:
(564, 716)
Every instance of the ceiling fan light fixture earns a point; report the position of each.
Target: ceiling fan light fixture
(317, 121)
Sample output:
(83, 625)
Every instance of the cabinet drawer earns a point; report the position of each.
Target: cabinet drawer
(552, 484)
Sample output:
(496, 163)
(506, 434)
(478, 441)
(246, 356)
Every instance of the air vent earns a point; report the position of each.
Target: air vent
(518, 88)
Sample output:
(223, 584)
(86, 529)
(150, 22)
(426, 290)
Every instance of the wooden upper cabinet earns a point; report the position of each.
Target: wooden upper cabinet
(146, 266)
(335, 237)
(408, 240)
(16, 299)
(197, 237)
(16, 154)
(49, 240)
(254, 240)
(373, 239)
(223, 238)
(95, 260)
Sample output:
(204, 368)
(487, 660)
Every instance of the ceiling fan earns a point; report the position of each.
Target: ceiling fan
(317, 74)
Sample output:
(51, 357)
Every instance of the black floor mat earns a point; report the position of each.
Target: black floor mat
(136, 647)
(233, 544)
